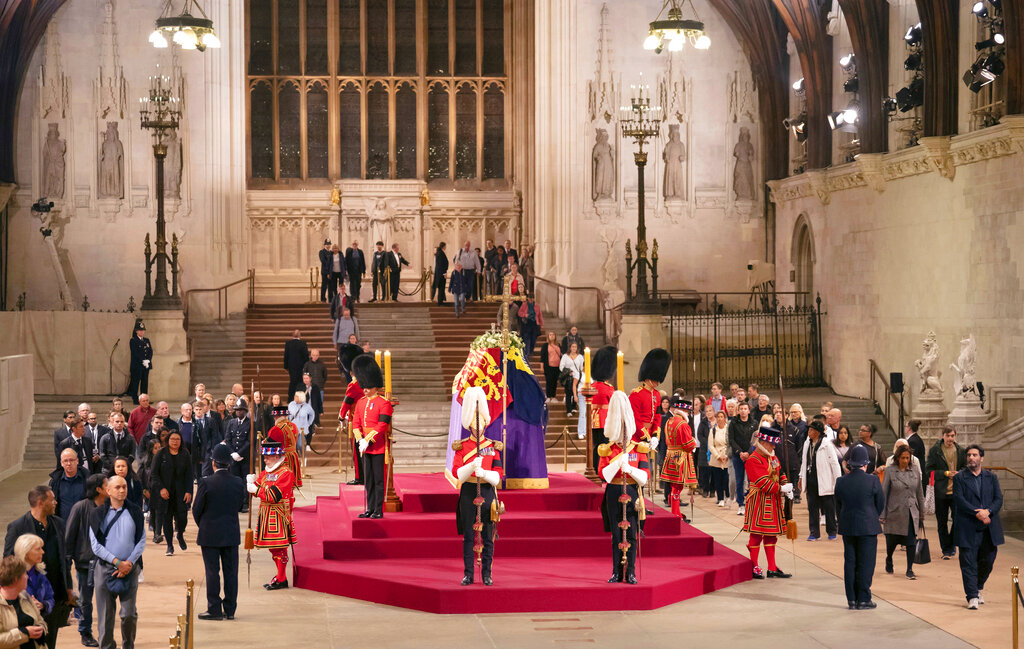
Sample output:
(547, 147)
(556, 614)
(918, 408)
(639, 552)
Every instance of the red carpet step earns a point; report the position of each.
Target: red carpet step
(552, 553)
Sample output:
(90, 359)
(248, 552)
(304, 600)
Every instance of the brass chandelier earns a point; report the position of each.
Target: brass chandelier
(675, 31)
(189, 31)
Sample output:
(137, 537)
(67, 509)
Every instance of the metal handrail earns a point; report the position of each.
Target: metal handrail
(562, 292)
(222, 295)
(889, 400)
(1004, 468)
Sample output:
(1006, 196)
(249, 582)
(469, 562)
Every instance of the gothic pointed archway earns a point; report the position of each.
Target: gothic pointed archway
(802, 258)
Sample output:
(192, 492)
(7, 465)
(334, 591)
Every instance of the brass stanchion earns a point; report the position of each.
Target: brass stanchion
(588, 391)
(1014, 586)
(386, 280)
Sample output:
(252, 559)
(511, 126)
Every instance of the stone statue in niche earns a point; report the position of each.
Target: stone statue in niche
(380, 217)
(610, 268)
(674, 156)
(966, 383)
(54, 149)
(172, 166)
(743, 172)
(111, 164)
(604, 167)
(928, 367)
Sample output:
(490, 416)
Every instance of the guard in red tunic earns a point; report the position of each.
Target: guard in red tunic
(371, 425)
(625, 469)
(646, 398)
(477, 465)
(273, 486)
(678, 470)
(602, 372)
(764, 518)
(353, 393)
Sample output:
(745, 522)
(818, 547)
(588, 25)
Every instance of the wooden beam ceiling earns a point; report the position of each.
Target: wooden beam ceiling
(868, 24)
(940, 28)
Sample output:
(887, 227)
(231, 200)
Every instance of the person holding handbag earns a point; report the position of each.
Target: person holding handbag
(904, 508)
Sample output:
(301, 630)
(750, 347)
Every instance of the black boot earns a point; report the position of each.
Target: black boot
(467, 580)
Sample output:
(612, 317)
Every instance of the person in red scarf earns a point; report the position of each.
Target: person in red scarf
(764, 518)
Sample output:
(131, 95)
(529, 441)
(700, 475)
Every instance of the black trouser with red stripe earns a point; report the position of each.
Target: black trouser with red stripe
(374, 480)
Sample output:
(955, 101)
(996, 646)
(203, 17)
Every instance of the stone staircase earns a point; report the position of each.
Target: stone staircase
(216, 353)
(47, 418)
(421, 420)
(856, 411)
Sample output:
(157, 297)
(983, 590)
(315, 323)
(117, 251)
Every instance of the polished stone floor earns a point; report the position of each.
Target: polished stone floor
(808, 610)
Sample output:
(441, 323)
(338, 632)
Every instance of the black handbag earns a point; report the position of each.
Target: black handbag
(922, 553)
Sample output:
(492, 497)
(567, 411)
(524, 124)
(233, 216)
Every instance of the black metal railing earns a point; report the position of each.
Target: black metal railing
(750, 345)
(891, 405)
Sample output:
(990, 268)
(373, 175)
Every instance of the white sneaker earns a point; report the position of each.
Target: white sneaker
(972, 604)
(721, 503)
(981, 598)
(742, 510)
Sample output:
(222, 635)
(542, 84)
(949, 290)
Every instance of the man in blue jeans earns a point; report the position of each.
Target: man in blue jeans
(459, 287)
(741, 430)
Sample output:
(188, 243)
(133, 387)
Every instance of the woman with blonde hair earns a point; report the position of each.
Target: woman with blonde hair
(301, 414)
(29, 549)
(718, 456)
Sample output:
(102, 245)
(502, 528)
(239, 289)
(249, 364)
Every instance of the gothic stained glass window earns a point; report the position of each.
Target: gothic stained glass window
(290, 112)
(351, 132)
(405, 131)
(261, 123)
(346, 89)
(494, 132)
(465, 132)
(437, 131)
(377, 132)
(316, 130)
(288, 38)
(316, 37)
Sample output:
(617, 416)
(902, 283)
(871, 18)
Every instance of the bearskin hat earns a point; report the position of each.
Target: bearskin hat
(367, 372)
(603, 366)
(654, 366)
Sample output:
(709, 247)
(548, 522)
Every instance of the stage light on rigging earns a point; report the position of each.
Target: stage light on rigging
(848, 62)
(913, 35)
(910, 97)
(798, 85)
(979, 10)
(851, 84)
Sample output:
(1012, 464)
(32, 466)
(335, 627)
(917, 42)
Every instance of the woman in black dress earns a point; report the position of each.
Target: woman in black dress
(171, 481)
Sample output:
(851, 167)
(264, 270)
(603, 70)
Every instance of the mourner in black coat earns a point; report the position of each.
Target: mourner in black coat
(977, 529)
(296, 353)
(171, 482)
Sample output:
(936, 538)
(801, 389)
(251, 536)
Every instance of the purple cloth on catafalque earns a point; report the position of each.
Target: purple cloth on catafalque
(524, 459)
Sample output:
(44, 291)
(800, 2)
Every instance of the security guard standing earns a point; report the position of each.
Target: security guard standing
(215, 508)
(141, 361)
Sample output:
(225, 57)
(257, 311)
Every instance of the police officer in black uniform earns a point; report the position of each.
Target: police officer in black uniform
(141, 362)
(215, 508)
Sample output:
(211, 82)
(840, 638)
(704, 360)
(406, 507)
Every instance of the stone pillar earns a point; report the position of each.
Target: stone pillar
(169, 378)
(641, 332)
(968, 418)
(932, 413)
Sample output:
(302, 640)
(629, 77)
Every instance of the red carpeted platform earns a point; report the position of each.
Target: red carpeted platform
(552, 553)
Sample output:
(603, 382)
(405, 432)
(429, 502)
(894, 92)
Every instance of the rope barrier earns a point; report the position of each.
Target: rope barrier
(419, 287)
(1020, 597)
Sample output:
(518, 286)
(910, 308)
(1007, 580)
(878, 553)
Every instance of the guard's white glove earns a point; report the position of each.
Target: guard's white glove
(251, 478)
(363, 445)
(145, 364)
(236, 457)
(787, 489)
(479, 472)
(492, 478)
(464, 472)
(696, 443)
(251, 488)
(654, 443)
(478, 462)
(639, 475)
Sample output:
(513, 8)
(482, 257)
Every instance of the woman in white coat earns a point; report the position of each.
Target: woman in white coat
(818, 480)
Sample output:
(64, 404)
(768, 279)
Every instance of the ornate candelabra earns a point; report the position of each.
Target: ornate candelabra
(160, 113)
(640, 121)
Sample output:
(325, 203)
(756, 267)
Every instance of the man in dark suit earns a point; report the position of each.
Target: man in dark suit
(395, 262)
(210, 435)
(916, 446)
(117, 441)
(440, 269)
(88, 454)
(141, 361)
(355, 263)
(325, 269)
(42, 521)
(860, 501)
(63, 432)
(977, 529)
(218, 500)
(377, 271)
(295, 356)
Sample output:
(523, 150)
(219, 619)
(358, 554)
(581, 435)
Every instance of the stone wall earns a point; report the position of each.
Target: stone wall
(16, 410)
(928, 238)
